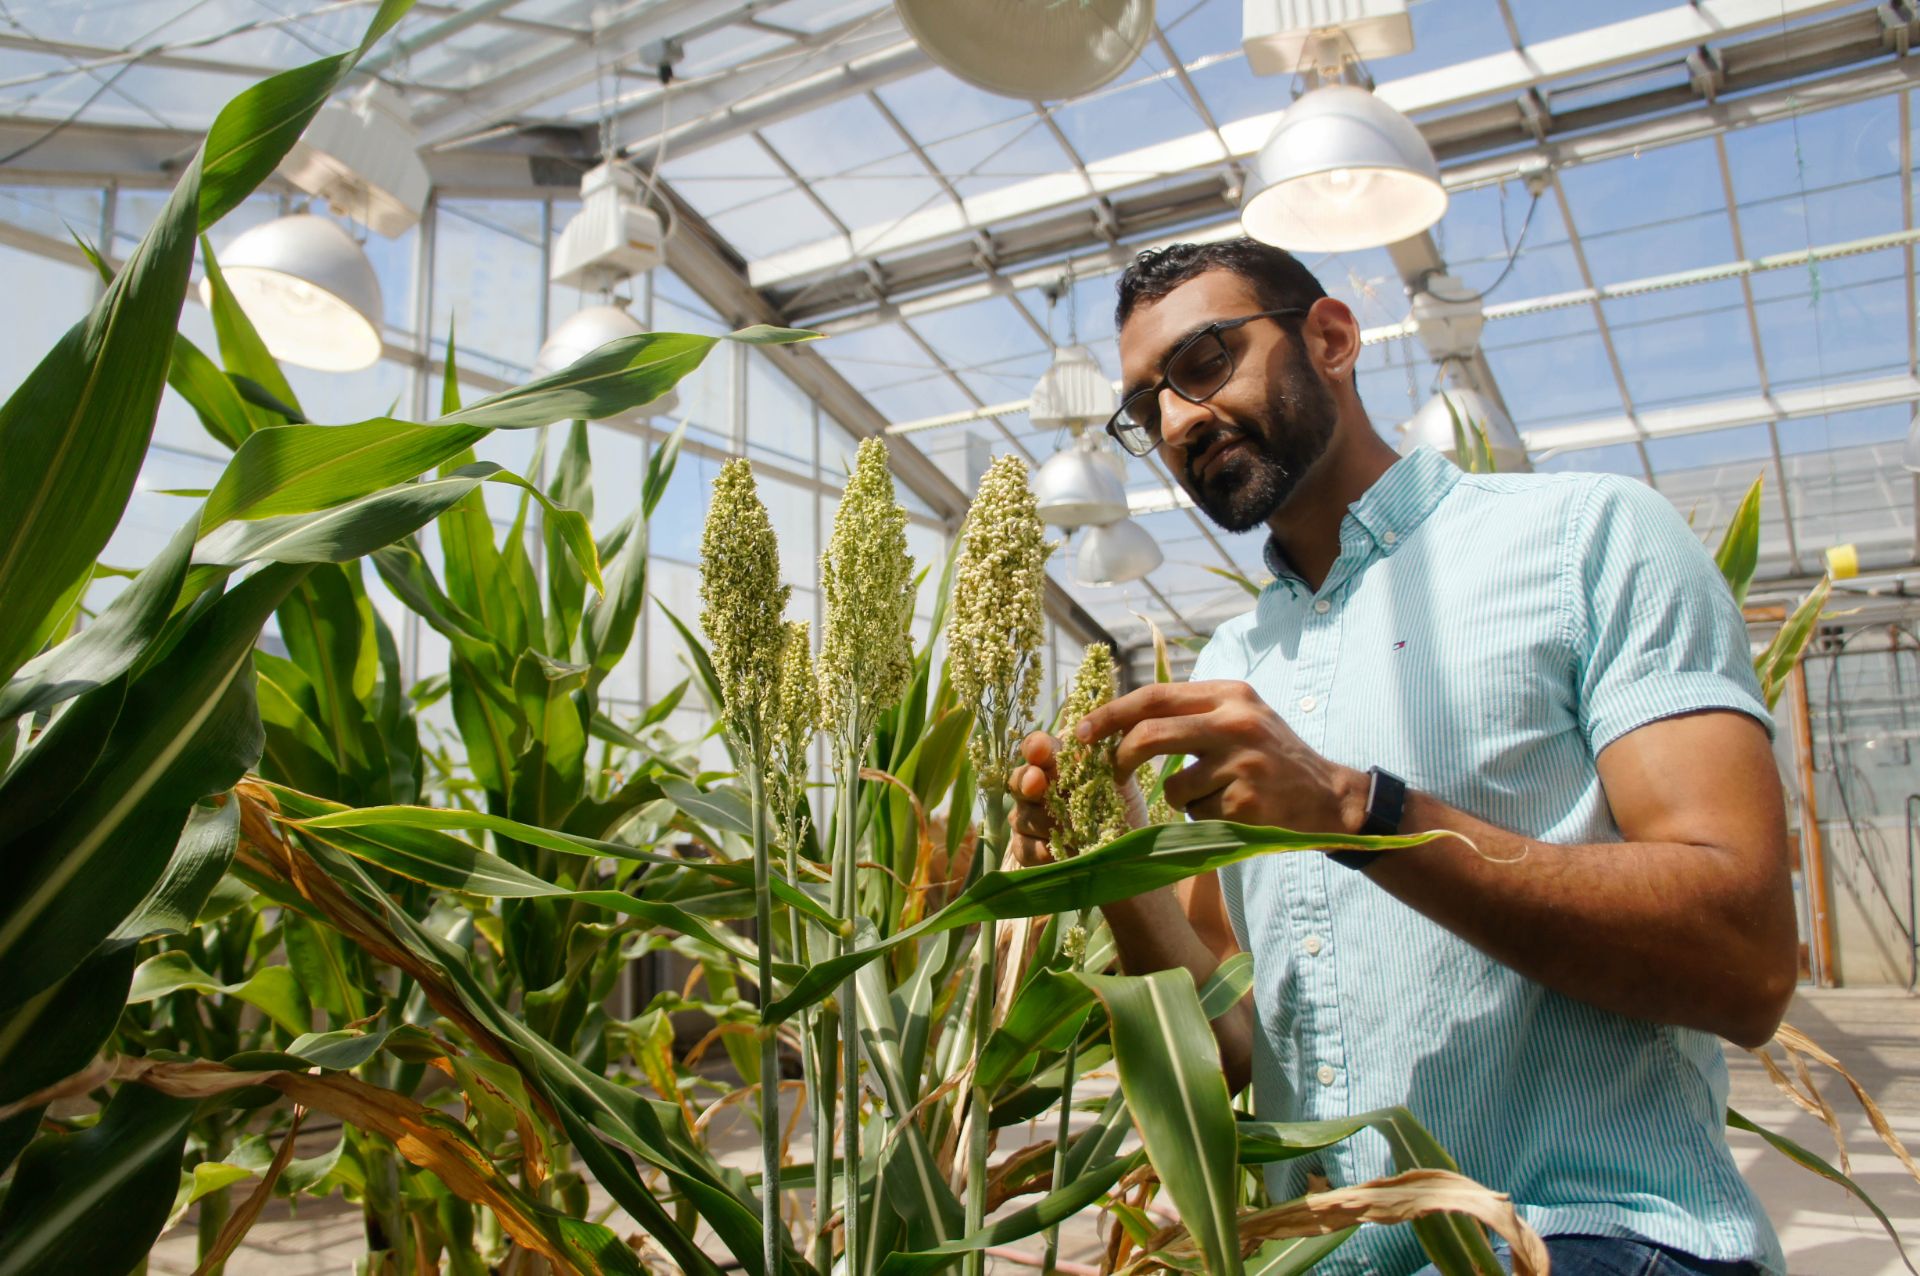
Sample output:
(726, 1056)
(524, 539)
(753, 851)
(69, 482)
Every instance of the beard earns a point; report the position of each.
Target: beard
(1246, 488)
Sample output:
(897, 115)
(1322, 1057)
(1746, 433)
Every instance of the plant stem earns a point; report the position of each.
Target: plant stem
(770, 1217)
(818, 1086)
(1052, 1255)
(847, 891)
(979, 1101)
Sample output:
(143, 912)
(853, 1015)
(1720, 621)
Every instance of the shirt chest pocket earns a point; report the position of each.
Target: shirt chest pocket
(1471, 699)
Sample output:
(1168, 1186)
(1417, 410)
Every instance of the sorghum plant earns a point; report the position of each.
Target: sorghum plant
(866, 660)
(743, 603)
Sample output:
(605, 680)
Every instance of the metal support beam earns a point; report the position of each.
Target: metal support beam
(1044, 217)
(712, 270)
(515, 82)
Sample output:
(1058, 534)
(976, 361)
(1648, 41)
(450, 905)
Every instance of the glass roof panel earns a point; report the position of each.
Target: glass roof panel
(1567, 380)
(1125, 117)
(1704, 352)
(1843, 319)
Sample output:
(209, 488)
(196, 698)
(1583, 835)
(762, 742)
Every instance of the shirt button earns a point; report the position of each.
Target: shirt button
(1307, 703)
(1390, 538)
(1323, 606)
(1312, 944)
(1325, 1074)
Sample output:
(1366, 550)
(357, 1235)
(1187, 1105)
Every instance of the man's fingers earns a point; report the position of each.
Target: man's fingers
(1029, 852)
(1041, 750)
(1191, 786)
(1032, 820)
(1165, 737)
(1158, 700)
(1028, 784)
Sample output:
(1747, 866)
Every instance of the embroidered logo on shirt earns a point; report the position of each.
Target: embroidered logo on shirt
(1398, 645)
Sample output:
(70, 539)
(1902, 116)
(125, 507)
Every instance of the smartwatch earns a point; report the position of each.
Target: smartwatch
(1386, 808)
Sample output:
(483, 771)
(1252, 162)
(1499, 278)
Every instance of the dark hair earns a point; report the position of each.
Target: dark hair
(1278, 278)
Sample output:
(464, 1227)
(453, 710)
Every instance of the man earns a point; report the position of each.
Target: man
(1549, 666)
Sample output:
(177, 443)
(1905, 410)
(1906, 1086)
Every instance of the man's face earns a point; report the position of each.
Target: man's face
(1241, 454)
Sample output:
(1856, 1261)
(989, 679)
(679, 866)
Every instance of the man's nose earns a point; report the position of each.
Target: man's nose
(1180, 421)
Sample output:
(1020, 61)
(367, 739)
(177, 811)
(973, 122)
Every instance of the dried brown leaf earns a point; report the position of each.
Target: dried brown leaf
(1792, 1040)
(241, 1221)
(1399, 1199)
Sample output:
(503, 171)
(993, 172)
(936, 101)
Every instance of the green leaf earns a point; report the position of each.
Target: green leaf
(296, 469)
(75, 432)
(56, 1032)
(112, 644)
(204, 1178)
(1170, 1072)
(188, 729)
(311, 813)
(1777, 661)
(125, 1169)
(1142, 860)
(1811, 1161)
(358, 527)
(242, 351)
(200, 859)
(1295, 1253)
(1739, 550)
(1253, 590)
(273, 989)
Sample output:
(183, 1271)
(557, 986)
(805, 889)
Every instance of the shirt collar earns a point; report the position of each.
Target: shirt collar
(1389, 511)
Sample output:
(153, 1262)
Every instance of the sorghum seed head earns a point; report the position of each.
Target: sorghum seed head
(742, 601)
(1085, 799)
(866, 658)
(997, 622)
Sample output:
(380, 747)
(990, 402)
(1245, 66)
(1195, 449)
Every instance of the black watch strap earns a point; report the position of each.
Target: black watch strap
(1386, 809)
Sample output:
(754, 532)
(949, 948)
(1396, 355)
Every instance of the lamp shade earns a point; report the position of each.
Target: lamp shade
(1342, 171)
(1031, 48)
(1077, 487)
(1115, 553)
(582, 333)
(1073, 392)
(1432, 426)
(309, 289)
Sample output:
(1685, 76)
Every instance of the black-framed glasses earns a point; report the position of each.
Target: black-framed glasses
(1198, 369)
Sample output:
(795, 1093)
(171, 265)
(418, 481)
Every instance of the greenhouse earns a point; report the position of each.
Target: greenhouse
(891, 637)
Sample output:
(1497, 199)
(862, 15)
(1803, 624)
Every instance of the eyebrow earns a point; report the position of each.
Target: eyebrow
(1160, 364)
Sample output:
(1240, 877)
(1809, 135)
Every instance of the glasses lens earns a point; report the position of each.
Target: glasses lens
(1137, 424)
(1200, 368)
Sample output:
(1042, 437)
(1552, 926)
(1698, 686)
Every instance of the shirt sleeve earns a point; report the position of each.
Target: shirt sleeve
(1655, 629)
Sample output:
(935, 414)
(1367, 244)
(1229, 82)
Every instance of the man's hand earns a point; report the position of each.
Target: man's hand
(1032, 821)
(1247, 764)
(1183, 926)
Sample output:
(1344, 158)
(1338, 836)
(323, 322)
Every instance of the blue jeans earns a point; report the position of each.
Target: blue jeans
(1618, 1256)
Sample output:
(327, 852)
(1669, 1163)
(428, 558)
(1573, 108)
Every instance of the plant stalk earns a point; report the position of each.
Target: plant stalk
(1052, 1254)
(846, 907)
(979, 1101)
(770, 1217)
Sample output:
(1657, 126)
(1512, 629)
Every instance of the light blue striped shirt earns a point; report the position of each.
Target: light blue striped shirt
(1484, 637)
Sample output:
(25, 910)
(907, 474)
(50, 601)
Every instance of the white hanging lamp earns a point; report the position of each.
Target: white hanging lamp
(1115, 553)
(580, 334)
(1031, 48)
(1072, 393)
(1432, 426)
(1077, 487)
(310, 291)
(1342, 171)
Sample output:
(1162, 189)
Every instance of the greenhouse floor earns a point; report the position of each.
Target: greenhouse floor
(1875, 1032)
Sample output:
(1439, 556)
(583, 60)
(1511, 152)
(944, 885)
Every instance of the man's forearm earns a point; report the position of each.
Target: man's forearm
(1665, 931)
(1153, 932)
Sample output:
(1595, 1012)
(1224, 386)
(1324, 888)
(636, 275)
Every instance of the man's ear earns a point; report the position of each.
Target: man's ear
(1332, 338)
